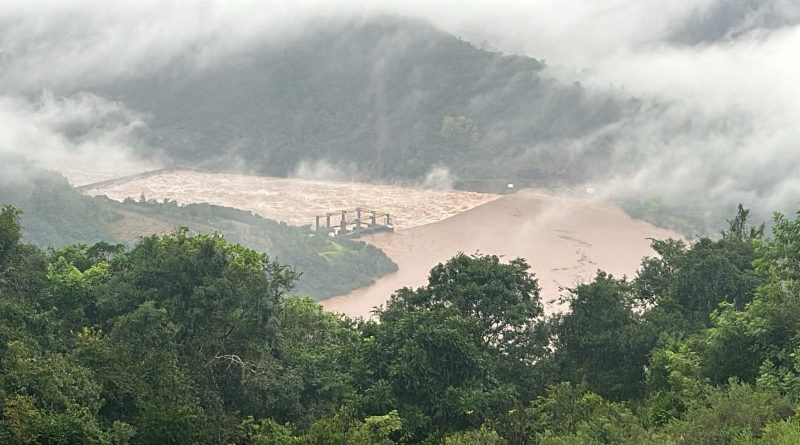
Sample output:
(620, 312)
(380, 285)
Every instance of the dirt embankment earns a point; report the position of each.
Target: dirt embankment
(565, 240)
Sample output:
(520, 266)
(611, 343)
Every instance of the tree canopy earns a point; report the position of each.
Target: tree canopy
(186, 338)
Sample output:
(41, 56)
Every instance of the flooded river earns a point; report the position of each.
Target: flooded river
(565, 239)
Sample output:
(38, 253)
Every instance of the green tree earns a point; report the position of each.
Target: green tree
(572, 414)
(443, 348)
(10, 231)
(342, 429)
(319, 352)
(785, 432)
(691, 282)
(674, 379)
(602, 340)
(728, 415)
(754, 343)
(765, 332)
(482, 436)
(501, 300)
(22, 267)
(48, 398)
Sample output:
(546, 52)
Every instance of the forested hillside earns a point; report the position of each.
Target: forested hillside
(193, 339)
(388, 98)
(56, 215)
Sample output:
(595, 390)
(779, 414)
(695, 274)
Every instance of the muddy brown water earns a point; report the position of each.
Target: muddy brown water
(296, 201)
(565, 239)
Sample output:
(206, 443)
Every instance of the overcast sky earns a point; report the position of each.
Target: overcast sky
(717, 63)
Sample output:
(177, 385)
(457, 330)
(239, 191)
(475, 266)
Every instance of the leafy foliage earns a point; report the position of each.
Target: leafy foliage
(192, 339)
(603, 339)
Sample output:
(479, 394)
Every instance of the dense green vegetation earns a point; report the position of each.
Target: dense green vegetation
(193, 339)
(327, 266)
(56, 215)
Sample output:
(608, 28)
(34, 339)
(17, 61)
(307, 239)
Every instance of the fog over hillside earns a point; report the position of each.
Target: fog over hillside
(690, 103)
(399, 222)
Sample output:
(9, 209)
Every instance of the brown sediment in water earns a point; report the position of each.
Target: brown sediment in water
(565, 240)
(296, 201)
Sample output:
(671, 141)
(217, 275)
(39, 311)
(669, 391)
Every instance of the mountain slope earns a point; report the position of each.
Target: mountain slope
(387, 98)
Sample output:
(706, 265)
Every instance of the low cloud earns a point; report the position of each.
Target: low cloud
(719, 78)
(81, 134)
(726, 131)
(438, 178)
(322, 170)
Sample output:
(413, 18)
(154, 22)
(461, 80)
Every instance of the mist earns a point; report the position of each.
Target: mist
(81, 135)
(717, 80)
